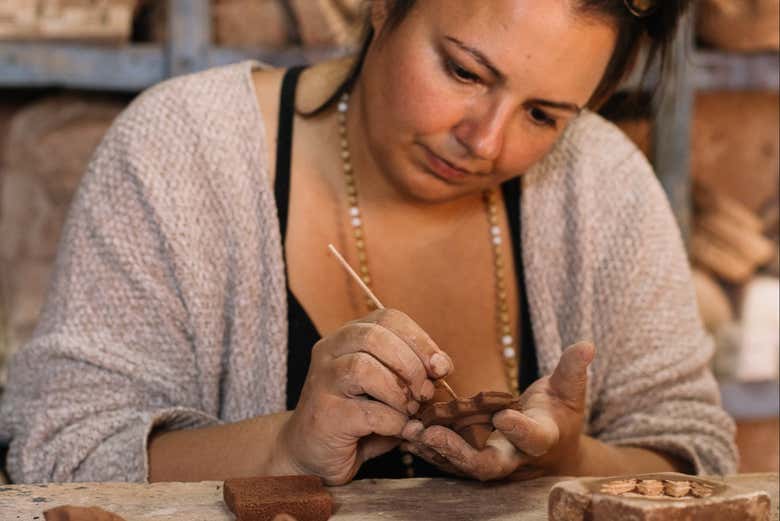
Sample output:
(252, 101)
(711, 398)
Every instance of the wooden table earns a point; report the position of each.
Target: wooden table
(367, 500)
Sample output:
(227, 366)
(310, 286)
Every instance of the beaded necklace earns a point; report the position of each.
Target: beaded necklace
(505, 342)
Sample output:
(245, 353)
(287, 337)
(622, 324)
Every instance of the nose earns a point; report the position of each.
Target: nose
(482, 132)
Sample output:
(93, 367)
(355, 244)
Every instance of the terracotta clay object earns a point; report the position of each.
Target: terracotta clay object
(71, 513)
(469, 417)
(666, 496)
(263, 498)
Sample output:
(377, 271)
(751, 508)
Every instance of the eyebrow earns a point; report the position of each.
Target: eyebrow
(572, 107)
(482, 59)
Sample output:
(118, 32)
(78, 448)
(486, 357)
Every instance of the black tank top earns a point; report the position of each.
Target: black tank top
(302, 334)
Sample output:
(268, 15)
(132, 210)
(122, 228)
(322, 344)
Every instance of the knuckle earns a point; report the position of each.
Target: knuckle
(371, 334)
(393, 316)
(357, 365)
(319, 349)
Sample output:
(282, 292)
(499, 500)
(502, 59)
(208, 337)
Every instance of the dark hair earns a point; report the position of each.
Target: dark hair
(657, 29)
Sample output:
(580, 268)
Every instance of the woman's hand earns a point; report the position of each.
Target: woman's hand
(542, 438)
(364, 382)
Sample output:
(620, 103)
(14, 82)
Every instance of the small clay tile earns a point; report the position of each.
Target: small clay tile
(677, 488)
(650, 487)
(619, 486)
(262, 498)
(700, 489)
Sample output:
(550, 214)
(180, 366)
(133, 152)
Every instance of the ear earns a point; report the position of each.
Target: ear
(379, 10)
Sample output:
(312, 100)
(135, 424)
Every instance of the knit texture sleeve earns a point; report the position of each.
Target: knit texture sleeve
(655, 387)
(113, 356)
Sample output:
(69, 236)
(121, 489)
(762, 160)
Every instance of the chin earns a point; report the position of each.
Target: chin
(420, 186)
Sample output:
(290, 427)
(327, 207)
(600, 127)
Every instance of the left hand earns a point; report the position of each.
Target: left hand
(542, 438)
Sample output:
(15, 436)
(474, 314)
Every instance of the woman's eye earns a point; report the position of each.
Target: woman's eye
(540, 117)
(462, 74)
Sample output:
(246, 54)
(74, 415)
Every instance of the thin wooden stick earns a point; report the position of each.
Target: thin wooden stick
(376, 302)
(447, 387)
(355, 276)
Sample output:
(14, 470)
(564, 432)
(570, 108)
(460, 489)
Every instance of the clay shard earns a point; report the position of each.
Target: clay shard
(619, 486)
(650, 487)
(469, 417)
(700, 490)
(677, 488)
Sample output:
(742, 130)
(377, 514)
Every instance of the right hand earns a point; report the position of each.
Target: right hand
(365, 381)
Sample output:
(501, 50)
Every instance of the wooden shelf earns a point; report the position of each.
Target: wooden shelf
(129, 68)
(715, 70)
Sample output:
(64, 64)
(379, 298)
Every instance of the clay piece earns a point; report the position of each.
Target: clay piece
(650, 487)
(72, 513)
(469, 417)
(263, 498)
(619, 486)
(655, 497)
(674, 488)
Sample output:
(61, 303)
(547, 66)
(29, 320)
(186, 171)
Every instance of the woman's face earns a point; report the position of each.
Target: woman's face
(465, 94)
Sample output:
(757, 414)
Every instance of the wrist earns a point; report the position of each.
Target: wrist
(575, 461)
(279, 459)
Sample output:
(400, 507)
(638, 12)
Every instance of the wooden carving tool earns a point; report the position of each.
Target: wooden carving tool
(377, 303)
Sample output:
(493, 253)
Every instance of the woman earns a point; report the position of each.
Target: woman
(193, 280)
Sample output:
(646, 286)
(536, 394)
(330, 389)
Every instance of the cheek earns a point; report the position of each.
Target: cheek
(522, 149)
(416, 101)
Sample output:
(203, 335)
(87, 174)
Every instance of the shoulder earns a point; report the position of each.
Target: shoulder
(192, 140)
(188, 106)
(187, 125)
(600, 172)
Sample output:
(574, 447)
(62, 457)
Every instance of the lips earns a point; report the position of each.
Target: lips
(444, 169)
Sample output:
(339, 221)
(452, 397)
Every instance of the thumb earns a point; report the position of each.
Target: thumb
(569, 381)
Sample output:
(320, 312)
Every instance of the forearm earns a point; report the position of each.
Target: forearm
(597, 458)
(246, 448)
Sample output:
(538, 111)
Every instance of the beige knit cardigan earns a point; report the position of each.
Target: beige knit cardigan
(167, 307)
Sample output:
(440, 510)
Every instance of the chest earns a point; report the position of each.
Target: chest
(443, 276)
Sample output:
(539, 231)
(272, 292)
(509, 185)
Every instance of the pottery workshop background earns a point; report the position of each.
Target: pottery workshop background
(51, 119)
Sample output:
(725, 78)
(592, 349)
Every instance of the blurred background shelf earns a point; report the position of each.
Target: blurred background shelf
(718, 70)
(751, 400)
(132, 68)
(129, 68)
(188, 48)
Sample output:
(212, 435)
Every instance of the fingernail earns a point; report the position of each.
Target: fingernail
(440, 365)
(411, 430)
(413, 407)
(427, 390)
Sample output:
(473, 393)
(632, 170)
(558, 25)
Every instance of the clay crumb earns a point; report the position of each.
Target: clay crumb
(619, 487)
